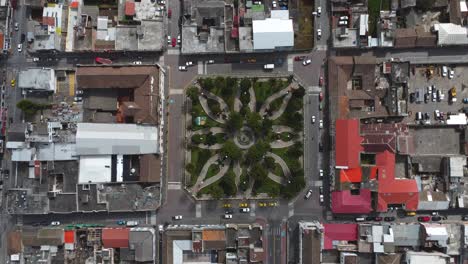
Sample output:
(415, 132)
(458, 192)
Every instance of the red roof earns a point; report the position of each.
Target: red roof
(74, 4)
(343, 202)
(391, 190)
(351, 175)
(69, 236)
(130, 8)
(348, 143)
(50, 21)
(115, 237)
(338, 232)
(235, 33)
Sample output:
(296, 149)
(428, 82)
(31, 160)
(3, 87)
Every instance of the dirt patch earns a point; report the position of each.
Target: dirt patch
(304, 21)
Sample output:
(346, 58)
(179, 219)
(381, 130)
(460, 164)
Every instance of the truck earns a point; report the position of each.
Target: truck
(269, 66)
(103, 60)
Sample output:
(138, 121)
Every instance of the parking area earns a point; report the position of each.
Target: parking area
(435, 91)
(436, 140)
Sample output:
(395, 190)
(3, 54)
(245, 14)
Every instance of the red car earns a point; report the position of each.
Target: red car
(424, 218)
(169, 13)
(321, 81)
(299, 58)
(320, 96)
(174, 42)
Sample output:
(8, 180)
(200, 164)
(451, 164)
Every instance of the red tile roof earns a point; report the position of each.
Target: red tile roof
(343, 202)
(50, 21)
(115, 237)
(351, 175)
(348, 143)
(391, 190)
(69, 236)
(338, 232)
(130, 8)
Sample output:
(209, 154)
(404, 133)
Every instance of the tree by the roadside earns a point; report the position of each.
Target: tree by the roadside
(30, 108)
(295, 150)
(192, 93)
(228, 183)
(206, 83)
(258, 172)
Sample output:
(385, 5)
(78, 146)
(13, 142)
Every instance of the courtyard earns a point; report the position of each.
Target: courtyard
(244, 138)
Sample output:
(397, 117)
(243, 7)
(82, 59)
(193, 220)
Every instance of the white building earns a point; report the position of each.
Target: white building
(273, 33)
(451, 34)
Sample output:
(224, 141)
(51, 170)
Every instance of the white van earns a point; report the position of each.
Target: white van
(132, 223)
(360, 219)
(270, 66)
(418, 116)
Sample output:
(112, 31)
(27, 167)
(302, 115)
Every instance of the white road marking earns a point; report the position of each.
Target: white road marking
(176, 91)
(174, 185)
(252, 209)
(198, 210)
(200, 67)
(291, 209)
(322, 47)
(290, 64)
(173, 51)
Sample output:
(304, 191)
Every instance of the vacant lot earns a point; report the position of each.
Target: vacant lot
(304, 31)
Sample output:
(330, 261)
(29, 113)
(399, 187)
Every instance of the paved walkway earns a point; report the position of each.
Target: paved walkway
(277, 144)
(212, 147)
(237, 171)
(253, 100)
(284, 167)
(286, 97)
(205, 131)
(281, 129)
(204, 104)
(200, 184)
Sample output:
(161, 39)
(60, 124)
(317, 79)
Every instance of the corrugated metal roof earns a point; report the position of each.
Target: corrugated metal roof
(451, 34)
(272, 33)
(106, 139)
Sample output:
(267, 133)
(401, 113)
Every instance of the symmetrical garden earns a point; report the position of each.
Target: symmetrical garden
(244, 137)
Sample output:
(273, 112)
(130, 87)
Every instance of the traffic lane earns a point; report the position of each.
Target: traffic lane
(88, 218)
(177, 203)
(176, 138)
(248, 69)
(179, 79)
(323, 21)
(311, 73)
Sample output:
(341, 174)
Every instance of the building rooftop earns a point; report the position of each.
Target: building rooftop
(115, 237)
(344, 202)
(272, 33)
(142, 240)
(334, 233)
(37, 79)
(348, 143)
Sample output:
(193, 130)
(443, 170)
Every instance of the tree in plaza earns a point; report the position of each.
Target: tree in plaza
(30, 108)
(220, 83)
(206, 83)
(231, 150)
(256, 152)
(258, 172)
(210, 139)
(228, 183)
(216, 191)
(216, 108)
(295, 150)
(245, 85)
(234, 123)
(254, 121)
(192, 93)
(269, 163)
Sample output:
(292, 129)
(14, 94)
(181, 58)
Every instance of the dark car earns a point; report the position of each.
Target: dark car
(389, 219)
(465, 218)
(378, 218)
(412, 97)
(320, 147)
(321, 190)
(44, 223)
(36, 224)
(424, 219)
(436, 218)
(229, 211)
(23, 38)
(370, 218)
(426, 116)
(299, 58)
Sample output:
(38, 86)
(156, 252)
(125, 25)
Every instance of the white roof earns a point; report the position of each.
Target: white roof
(102, 23)
(363, 24)
(456, 166)
(107, 139)
(451, 34)
(463, 7)
(280, 14)
(459, 119)
(178, 248)
(272, 33)
(95, 169)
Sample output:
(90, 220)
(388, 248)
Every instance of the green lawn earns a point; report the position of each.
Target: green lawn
(268, 186)
(278, 170)
(212, 171)
(264, 89)
(374, 15)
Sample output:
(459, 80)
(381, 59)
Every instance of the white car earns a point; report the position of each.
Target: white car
(35, 59)
(342, 23)
(321, 124)
(319, 10)
(344, 18)
(55, 223)
(79, 92)
(16, 26)
(177, 217)
(244, 210)
(182, 68)
(451, 74)
(20, 47)
(321, 173)
(179, 40)
(189, 63)
(210, 62)
(437, 114)
(169, 40)
(313, 119)
(274, 4)
(137, 62)
(319, 33)
(227, 216)
(308, 194)
(306, 62)
(444, 71)
(161, 228)
(321, 199)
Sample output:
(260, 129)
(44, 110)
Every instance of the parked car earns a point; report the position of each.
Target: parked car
(244, 210)
(182, 68)
(100, 60)
(342, 23)
(319, 10)
(132, 223)
(20, 47)
(424, 218)
(177, 217)
(243, 204)
(321, 189)
(16, 26)
(189, 63)
(465, 218)
(436, 218)
(35, 59)
(444, 71)
(210, 62)
(410, 213)
(229, 211)
(306, 62)
(168, 39)
(321, 173)
(228, 216)
(465, 100)
(319, 33)
(169, 13)
(320, 96)
(174, 42)
(389, 219)
(137, 62)
(313, 120)
(343, 17)
(179, 40)
(321, 123)
(121, 222)
(299, 58)
(377, 218)
(321, 81)
(227, 205)
(321, 198)
(55, 223)
(308, 194)
(451, 74)
(274, 4)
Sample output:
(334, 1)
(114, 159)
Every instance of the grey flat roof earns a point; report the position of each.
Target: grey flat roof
(153, 33)
(107, 139)
(37, 79)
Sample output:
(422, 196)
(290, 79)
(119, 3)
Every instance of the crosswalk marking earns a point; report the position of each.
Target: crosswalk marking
(291, 209)
(174, 185)
(176, 91)
(290, 64)
(200, 67)
(173, 51)
(252, 209)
